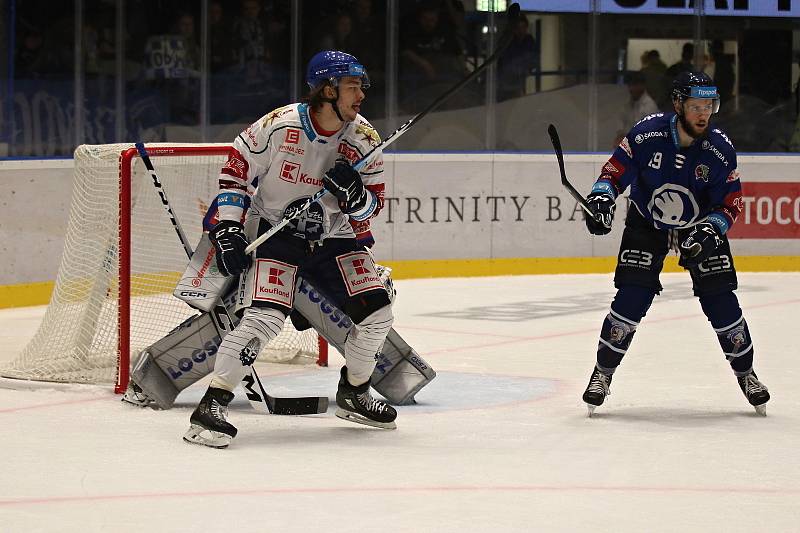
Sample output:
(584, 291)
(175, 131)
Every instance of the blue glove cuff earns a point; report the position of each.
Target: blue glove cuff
(603, 187)
(719, 221)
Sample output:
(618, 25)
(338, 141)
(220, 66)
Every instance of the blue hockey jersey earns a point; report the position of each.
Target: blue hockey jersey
(672, 186)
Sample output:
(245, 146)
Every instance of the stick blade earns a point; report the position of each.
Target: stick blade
(308, 405)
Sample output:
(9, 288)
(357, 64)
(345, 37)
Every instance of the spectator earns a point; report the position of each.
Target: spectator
(172, 63)
(517, 62)
(29, 54)
(370, 47)
(724, 75)
(221, 44)
(654, 70)
(638, 106)
(430, 52)
(249, 30)
(277, 40)
(684, 65)
(342, 37)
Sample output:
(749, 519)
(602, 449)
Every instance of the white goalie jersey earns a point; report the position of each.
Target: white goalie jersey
(279, 162)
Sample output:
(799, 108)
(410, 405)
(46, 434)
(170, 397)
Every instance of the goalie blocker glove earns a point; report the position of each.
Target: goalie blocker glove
(700, 244)
(602, 206)
(344, 182)
(229, 242)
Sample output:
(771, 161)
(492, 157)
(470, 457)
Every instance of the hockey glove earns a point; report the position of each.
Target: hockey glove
(345, 183)
(229, 242)
(704, 238)
(602, 205)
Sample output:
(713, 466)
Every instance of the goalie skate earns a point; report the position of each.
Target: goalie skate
(134, 395)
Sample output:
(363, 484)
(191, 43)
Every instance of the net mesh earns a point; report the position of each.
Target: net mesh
(77, 341)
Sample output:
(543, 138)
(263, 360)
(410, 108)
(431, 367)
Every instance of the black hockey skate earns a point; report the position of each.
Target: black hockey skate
(357, 405)
(597, 390)
(209, 426)
(755, 392)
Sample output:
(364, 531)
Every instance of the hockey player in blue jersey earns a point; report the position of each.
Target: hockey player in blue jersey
(685, 195)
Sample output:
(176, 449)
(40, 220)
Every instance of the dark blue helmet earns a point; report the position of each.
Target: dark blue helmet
(330, 65)
(696, 84)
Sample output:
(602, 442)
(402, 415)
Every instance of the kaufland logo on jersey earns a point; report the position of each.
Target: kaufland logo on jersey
(304, 178)
(289, 171)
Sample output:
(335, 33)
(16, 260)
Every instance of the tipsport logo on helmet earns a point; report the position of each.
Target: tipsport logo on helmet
(703, 92)
(356, 70)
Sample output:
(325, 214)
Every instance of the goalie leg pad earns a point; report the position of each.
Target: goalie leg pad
(400, 372)
(182, 357)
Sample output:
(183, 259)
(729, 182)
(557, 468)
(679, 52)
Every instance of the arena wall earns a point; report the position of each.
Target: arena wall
(462, 214)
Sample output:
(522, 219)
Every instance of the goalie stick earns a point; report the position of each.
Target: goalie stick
(564, 181)
(512, 15)
(260, 402)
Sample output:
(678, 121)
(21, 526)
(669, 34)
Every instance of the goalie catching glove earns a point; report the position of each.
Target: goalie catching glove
(229, 242)
(602, 206)
(704, 238)
(344, 182)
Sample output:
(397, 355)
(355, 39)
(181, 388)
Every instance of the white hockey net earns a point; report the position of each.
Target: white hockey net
(79, 340)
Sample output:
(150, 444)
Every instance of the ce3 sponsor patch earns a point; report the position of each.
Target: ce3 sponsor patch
(636, 258)
(715, 263)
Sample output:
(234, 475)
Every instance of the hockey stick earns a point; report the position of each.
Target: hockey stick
(512, 14)
(564, 181)
(265, 402)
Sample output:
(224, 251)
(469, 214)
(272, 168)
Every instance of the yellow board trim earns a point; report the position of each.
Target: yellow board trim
(453, 268)
(38, 293)
(26, 294)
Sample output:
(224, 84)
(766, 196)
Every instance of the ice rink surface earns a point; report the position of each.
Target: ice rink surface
(499, 441)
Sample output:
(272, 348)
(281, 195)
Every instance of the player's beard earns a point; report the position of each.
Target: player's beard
(693, 132)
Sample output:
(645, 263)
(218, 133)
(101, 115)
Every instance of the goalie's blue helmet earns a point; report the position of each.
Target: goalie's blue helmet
(691, 84)
(330, 65)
